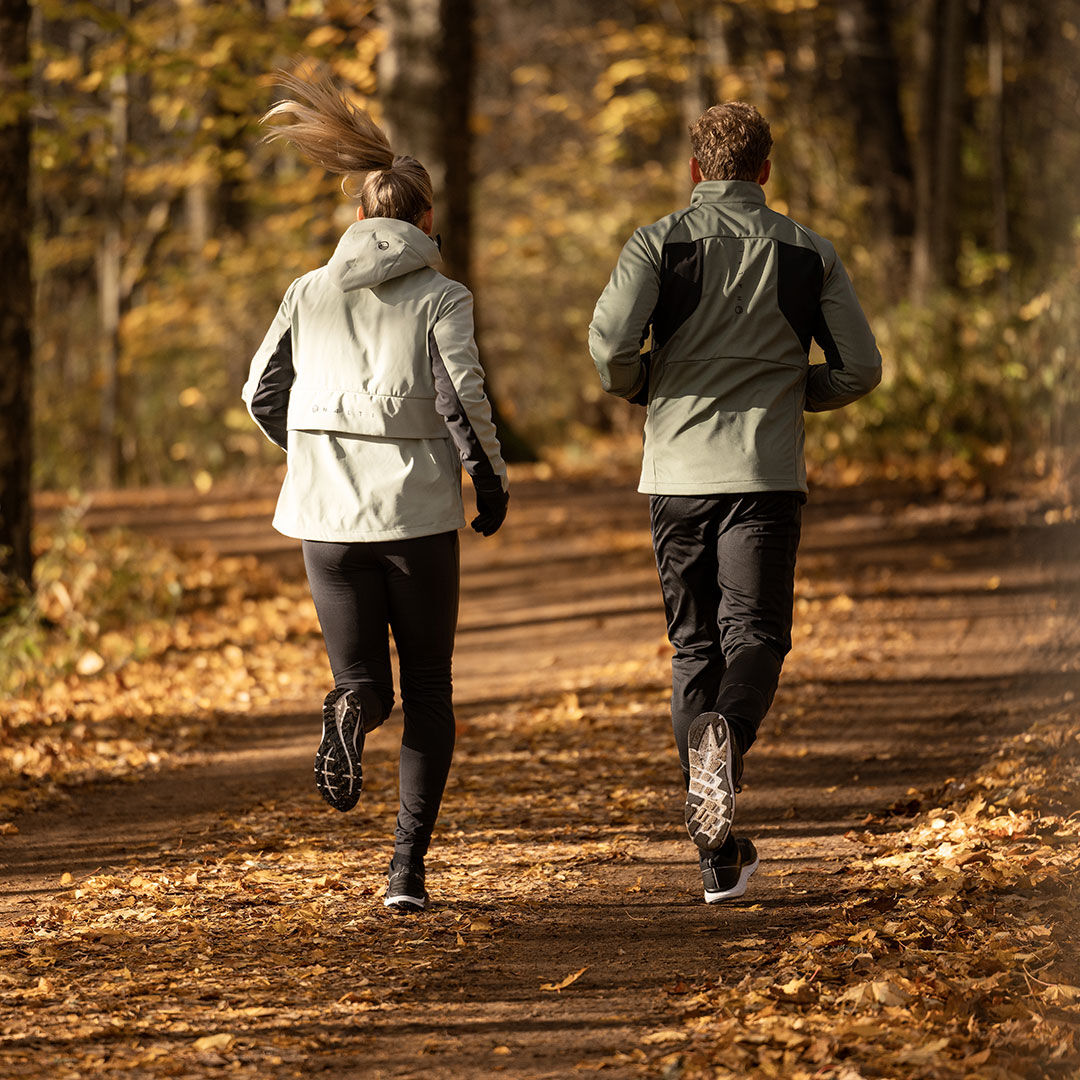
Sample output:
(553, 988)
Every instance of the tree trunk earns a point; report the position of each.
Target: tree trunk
(995, 64)
(16, 560)
(872, 85)
(935, 247)
(708, 53)
(426, 81)
(108, 288)
(425, 78)
(112, 458)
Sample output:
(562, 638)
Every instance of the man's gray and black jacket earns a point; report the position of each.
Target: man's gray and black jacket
(369, 378)
(732, 294)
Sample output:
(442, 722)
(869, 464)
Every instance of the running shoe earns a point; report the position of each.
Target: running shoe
(405, 890)
(337, 761)
(715, 772)
(726, 872)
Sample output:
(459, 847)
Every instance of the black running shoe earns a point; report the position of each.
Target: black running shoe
(715, 771)
(726, 872)
(405, 890)
(337, 761)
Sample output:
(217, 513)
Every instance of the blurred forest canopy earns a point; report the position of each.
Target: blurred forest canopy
(935, 142)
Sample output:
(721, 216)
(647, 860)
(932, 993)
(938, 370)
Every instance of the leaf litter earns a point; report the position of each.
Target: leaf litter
(950, 951)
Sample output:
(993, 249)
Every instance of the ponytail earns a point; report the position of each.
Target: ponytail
(332, 132)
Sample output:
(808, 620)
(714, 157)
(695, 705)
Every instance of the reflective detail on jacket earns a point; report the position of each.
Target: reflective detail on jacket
(369, 377)
(731, 294)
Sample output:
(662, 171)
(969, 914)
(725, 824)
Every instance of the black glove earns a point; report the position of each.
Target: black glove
(642, 396)
(491, 503)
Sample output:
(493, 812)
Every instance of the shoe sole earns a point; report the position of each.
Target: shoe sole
(737, 889)
(338, 775)
(404, 902)
(710, 799)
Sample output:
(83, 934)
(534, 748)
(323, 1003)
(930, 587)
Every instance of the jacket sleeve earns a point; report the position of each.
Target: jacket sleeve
(460, 398)
(852, 365)
(620, 322)
(266, 392)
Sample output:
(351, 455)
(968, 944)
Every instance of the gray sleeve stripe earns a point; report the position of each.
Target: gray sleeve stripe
(270, 402)
(448, 406)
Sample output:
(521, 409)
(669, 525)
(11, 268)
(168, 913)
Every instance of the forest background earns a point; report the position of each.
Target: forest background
(935, 142)
(146, 238)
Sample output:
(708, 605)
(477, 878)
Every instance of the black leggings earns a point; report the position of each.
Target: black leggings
(727, 571)
(411, 587)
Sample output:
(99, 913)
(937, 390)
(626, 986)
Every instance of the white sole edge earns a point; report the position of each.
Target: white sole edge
(403, 898)
(737, 890)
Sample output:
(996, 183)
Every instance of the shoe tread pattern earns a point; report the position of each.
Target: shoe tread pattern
(338, 774)
(710, 799)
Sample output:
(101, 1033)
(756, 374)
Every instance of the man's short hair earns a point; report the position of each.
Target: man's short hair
(731, 141)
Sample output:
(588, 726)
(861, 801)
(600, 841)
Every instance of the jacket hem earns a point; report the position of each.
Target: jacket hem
(722, 487)
(368, 536)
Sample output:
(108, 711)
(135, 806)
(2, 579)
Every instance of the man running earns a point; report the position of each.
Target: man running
(730, 294)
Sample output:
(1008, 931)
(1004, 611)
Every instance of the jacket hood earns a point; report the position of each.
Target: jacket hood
(378, 249)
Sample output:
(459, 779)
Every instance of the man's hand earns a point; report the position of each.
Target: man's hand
(491, 503)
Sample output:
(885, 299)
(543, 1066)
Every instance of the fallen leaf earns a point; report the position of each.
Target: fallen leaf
(796, 991)
(879, 992)
(573, 978)
(1061, 994)
(666, 1035)
(90, 663)
(221, 1041)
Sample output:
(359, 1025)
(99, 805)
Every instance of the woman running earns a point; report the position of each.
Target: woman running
(369, 379)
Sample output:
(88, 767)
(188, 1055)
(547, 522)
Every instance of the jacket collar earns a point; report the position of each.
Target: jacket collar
(743, 191)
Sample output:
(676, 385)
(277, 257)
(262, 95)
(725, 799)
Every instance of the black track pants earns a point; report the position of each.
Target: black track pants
(727, 571)
(411, 588)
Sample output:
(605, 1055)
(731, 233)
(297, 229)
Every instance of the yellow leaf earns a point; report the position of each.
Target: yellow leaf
(565, 982)
(66, 878)
(666, 1035)
(89, 663)
(1061, 994)
(222, 1041)
(1035, 307)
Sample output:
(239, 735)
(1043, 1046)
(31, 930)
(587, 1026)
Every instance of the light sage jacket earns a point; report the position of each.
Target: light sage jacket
(369, 378)
(731, 293)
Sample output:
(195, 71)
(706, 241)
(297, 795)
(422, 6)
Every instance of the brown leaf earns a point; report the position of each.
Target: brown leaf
(572, 978)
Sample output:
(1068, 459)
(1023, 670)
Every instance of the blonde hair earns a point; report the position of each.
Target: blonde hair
(332, 132)
(731, 141)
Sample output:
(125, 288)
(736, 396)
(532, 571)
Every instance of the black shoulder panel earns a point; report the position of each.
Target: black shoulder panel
(681, 268)
(799, 277)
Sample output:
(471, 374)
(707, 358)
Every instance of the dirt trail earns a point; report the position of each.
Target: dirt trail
(925, 633)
